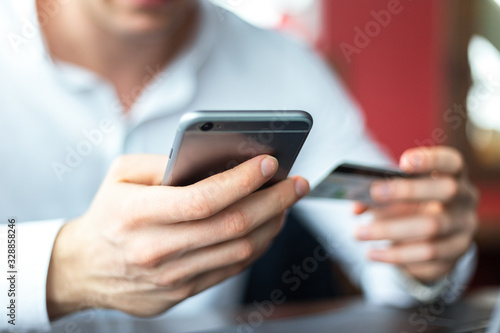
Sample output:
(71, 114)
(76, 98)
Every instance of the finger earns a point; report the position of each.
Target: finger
(430, 271)
(409, 228)
(423, 189)
(203, 199)
(201, 283)
(398, 209)
(210, 279)
(246, 215)
(428, 159)
(144, 169)
(174, 273)
(219, 191)
(449, 248)
(360, 208)
(233, 223)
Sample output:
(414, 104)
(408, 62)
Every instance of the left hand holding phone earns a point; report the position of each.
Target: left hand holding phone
(142, 248)
(431, 220)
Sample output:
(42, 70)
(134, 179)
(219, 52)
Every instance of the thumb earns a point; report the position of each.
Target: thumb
(144, 169)
(359, 207)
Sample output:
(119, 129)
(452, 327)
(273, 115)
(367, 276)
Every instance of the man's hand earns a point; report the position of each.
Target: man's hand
(142, 248)
(430, 220)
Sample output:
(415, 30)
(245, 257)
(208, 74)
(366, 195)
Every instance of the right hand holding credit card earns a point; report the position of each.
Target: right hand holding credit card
(352, 182)
(427, 217)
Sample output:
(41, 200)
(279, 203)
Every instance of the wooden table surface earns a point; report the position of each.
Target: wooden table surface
(341, 315)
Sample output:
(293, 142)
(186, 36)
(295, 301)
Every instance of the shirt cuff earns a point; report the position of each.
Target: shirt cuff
(34, 242)
(387, 285)
(449, 288)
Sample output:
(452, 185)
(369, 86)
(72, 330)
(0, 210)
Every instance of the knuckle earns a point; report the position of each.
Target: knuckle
(430, 252)
(130, 212)
(119, 161)
(185, 291)
(200, 206)
(395, 256)
(433, 156)
(118, 164)
(279, 222)
(146, 253)
(381, 230)
(403, 189)
(236, 223)
(117, 235)
(435, 270)
(245, 249)
(246, 183)
(452, 189)
(171, 280)
(283, 200)
(238, 269)
(433, 226)
(458, 158)
(432, 271)
(142, 258)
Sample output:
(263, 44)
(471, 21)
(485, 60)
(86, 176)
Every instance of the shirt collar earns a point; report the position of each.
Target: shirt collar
(178, 79)
(177, 83)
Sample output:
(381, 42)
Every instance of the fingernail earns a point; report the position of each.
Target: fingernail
(415, 161)
(377, 255)
(381, 191)
(301, 187)
(363, 233)
(268, 166)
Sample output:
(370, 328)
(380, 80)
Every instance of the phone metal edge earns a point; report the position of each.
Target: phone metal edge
(193, 117)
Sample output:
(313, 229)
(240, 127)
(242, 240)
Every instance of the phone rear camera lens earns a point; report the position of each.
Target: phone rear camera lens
(206, 127)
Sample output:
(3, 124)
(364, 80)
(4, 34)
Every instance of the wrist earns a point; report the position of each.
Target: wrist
(63, 287)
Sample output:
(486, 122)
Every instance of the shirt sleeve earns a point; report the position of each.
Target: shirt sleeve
(34, 241)
(447, 289)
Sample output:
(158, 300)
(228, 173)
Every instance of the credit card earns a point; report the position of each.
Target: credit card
(352, 182)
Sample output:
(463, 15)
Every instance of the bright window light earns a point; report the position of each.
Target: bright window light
(483, 99)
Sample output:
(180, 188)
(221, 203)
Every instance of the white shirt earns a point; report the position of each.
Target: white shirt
(61, 127)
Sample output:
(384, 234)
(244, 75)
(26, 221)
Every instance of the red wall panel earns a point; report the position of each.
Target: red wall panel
(391, 55)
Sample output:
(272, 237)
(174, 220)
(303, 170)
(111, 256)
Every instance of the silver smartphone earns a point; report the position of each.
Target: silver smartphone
(210, 142)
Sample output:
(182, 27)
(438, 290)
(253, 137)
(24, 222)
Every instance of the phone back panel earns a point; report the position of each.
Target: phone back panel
(234, 137)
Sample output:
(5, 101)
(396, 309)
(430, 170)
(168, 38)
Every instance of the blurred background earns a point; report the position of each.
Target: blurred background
(425, 72)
